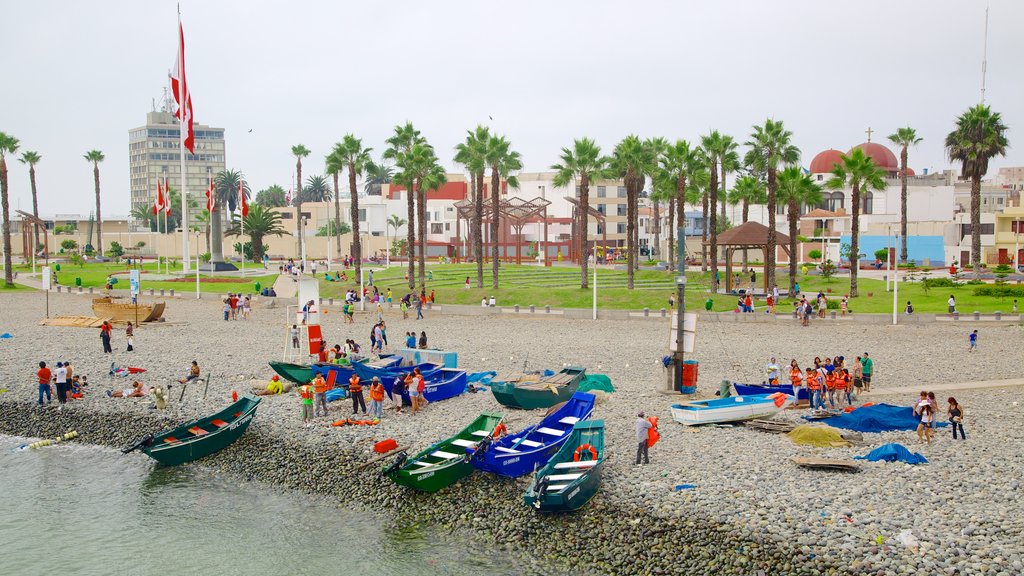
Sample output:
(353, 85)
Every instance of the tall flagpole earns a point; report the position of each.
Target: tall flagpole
(182, 104)
(241, 223)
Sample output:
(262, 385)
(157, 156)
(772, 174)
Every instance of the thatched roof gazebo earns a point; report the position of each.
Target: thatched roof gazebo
(747, 235)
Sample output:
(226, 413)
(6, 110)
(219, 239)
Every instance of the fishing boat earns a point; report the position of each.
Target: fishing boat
(385, 374)
(199, 438)
(445, 462)
(342, 372)
(126, 311)
(440, 385)
(531, 448)
(759, 389)
(529, 391)
(297, 373)
(572, 476)
(734, 409)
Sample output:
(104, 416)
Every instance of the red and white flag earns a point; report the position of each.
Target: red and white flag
(158, 205)
(211, 205)
(167, 198)
(179, 85)
(241, 200)
(288, 197)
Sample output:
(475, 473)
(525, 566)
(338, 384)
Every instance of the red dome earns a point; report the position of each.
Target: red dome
(882, 156)
(910, 171)
(825, 161)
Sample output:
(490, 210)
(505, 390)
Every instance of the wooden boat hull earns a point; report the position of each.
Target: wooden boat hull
(126, 312)
(563, 484)
(735, 409)
(179, 445)
(297, 373)
(440, 385)
(443, 463)
(758, 389)
(515, 395)
(529, 449)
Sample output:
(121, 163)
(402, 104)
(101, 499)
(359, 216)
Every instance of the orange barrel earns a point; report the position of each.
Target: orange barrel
(689, 383)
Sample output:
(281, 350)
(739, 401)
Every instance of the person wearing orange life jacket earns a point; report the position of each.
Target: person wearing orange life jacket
(830, 386)
(795, 378)
(814, 384)
(355, 390)
(306, 395)
(643, 425)
(376, 398)
(320, 388)
(843, 385)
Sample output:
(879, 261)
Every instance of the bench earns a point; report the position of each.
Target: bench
(422, 463)
(219, 423)
(569, 420)
(464, 443)
(557, 487)
(196, 430)
(481, 433)
(531, 443)
(564, 477)
(550, 431)
(580, 464)
(507, 450)
(443, 454)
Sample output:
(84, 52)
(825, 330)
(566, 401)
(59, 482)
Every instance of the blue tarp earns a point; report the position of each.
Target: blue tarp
(893, 453)
(480, 377)
(877, 418)
(337, 394)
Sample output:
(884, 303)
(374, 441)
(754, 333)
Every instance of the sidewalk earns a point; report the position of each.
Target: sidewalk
(915, 390)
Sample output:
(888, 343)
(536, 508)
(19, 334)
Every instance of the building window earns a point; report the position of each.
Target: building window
(285, 215)
(621, 192)
(436, 228)
(577, 191)
(600, 228)
(620, 228)
(601, 208)
(780, 208)
(620, 209)
(602, 191)
(362, 214)
(867, 202)
(447, 226)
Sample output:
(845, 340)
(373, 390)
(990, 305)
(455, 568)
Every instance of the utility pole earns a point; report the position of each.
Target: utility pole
(680, 302)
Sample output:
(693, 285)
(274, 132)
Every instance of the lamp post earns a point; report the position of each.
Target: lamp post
(184, 232)
(888, 260)
(895, 291)
(302, 244)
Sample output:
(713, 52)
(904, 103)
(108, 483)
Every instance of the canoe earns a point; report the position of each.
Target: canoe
(297, 373)
(572, 476)
(443, 463)
(201, 437)
(440, 385)
(734, 409)
(343, 372)
(127, 312)
(525, 451)
(367, 372)
(759, 389)
(527, 392)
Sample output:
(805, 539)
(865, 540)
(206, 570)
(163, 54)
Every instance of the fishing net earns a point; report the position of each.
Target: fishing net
(821, 436)
(593, 382)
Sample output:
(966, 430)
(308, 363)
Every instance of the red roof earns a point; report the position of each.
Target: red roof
(448, 191)
(882, 156)
(825, 161)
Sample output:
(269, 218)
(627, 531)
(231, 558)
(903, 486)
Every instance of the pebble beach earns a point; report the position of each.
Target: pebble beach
(750, 509)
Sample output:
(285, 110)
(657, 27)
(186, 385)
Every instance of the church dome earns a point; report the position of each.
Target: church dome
(824, 161)
(882, 156)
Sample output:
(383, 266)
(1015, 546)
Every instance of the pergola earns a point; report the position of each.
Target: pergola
(577, 251)
(28, 238)
(749, 235)
(516, 211)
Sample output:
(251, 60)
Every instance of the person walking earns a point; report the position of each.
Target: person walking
(419, 308)
(642, 426)
(924, 428)
(376, 398)
(956, 417)
(306, 396)
(129, 334)
(320, 388)
(44, 375)
(972, 341)
(423, 340)
(105, 330)
(355, 390)
(796, 376)
(951, 304)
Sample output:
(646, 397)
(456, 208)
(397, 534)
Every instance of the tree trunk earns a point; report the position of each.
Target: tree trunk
(794, 211)
(671, 233)
(217, 249)
(421, 205)
(337, 215)
(681, 210)
(298, 206)
(657, 228)
(976, 224)
(769, 257)
(630, 225)
(99, 215)
(722, 184)
(713, 212)
(35, 203)
(704, 234)
(257, 246)
(411, 235)
(854, 238)
(903, 205)
(5, 205)
(584, 224)
(495, 205)
(478, 242)
(357, 246)
(746, 214)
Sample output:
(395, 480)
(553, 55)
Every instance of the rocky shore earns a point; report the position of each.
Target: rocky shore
(752, 511)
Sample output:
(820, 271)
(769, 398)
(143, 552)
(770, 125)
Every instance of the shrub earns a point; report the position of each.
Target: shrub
(68, 244)
(1000, 291)
(814, 254)
(116, 250)
(882, 254)
(828, 269)
(832, 304)
(940, 283)
(140, 243)
(974, 282)
(205, 257)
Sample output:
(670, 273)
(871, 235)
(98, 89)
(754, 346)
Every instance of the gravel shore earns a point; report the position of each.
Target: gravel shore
(751, 509)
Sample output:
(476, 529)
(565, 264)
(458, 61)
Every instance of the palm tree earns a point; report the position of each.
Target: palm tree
(95, 156)
(225, 191)
(204, 219)
(796, 189)
(658, 146)
(582, 163)
(396, 222)
(400, 145)
(631, 159)
(771, 147)
(376, 176)
(472, 154)
(300, 152)
(433, 178)
(271, 197)
(352, 155)
(860, 173)
(979, 136)
(260, 222)
(746, 191)
(32, 158)
(317, 189)
(334, 165)
(904, 138)
(728, 161)
(502, 161)
(663, 190)
(683, 167)
(8, 145)
(713, 146)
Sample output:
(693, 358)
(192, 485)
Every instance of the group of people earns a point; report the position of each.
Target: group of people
(829, 379)
(61, 379)
(926, 411)
(107, 334)
(805, 309)
(236, 306)
(313, 395)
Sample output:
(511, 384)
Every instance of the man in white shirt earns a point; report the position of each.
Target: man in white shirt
(61, 376)
(951, 304)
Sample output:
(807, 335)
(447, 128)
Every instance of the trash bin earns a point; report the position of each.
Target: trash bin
(689, 383)
(708, 304)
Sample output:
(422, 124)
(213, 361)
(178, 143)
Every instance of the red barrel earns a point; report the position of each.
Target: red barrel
(689, 383)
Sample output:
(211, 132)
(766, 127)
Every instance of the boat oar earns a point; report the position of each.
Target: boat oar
(381, 457)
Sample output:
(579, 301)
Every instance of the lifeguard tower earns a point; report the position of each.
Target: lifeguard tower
(304, 315)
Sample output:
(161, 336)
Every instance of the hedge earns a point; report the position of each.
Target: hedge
(1000, 291)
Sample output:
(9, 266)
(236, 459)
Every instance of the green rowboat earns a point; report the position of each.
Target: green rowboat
(297, 373)
(201, 437)
(445, 462)
(565, 483)
(526, 392)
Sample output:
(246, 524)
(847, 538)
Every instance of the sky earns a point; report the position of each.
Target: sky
(78, 76)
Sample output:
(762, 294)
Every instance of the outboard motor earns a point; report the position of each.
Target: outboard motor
(144, 442)
(397, 464)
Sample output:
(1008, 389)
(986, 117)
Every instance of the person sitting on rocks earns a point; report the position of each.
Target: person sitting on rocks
(138, 390)
(193, 373)
(273, 387)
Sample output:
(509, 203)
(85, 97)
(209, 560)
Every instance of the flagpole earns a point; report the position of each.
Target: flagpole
(182, 105)
(241, 223)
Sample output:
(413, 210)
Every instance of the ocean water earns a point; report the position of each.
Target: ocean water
(80, 509)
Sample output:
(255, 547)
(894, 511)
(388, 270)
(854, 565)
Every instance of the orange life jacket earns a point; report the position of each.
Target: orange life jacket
(319, 385)
(652, 433)
(354, 385)
(814, 382)
(305, 392)
(377, 392)
(795, 376)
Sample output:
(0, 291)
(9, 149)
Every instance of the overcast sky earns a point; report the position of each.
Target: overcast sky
(78, 75)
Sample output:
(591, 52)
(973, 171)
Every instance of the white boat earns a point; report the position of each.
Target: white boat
(732, 409)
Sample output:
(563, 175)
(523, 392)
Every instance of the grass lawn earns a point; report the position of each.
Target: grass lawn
(95, 275)
(4, 289)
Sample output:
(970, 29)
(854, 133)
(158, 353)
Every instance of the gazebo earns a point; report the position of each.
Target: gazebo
(748, 235)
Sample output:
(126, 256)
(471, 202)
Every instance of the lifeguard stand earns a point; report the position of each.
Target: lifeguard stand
(308, 323)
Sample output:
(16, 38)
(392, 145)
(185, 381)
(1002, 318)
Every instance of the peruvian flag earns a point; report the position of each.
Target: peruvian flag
(159, 204)
(288, 197)
(241, 200)
(167, 202)
(211, 204)
(179, 85)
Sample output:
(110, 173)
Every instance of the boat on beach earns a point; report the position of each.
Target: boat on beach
(445, 462)
(530, 391)
(573, 475)
(126, 311)
(734, 409)
(367, 371)
(525, 451)
(759, 389)
(297, 373)
(199, 438)
(440, 385)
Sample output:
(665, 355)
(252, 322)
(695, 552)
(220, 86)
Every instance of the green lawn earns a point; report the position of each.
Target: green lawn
(95, 275)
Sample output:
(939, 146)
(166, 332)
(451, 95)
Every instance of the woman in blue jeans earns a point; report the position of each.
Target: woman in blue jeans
(956, 417)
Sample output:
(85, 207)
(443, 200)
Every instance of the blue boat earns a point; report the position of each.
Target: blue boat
(760, 389)
(342, 372)
(440, 385)
(388, 373)
(525, 451)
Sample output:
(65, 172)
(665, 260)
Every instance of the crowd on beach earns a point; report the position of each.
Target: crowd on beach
(236, 306)
(63, 380)
(828, 380)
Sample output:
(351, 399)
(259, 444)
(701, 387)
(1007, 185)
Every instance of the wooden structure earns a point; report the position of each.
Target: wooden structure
(28, 237)
(577, 250)
(826, 464)
(748, 235)
(127, 312)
